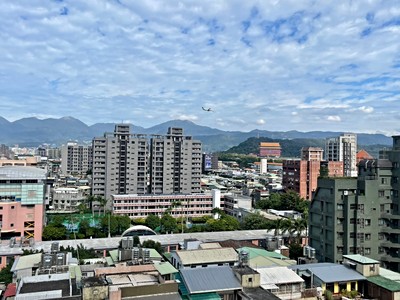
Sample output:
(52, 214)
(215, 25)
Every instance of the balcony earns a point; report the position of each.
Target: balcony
(390, 244)
(390, 258)
(387, 229)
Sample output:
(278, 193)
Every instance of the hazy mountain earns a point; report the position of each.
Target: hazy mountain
(33, 132)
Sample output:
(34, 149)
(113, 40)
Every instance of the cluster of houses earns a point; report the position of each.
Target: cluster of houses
(196, 269)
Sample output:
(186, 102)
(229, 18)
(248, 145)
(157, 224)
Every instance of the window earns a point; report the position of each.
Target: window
(367, 236)
(367, 250)
(367, 222)
(340, 207)
(352, 235)
(381, 193)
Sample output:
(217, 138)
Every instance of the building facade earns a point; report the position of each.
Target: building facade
(22, 198)
(175, 163)
(186, 205)
(270, 149)
(343, 148)
(359, 215)
(120, 162)
(76, 159)
(301, 175)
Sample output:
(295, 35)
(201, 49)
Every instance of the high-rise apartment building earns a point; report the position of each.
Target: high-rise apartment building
(120, 162)
(343, 148)
(175, 163)
(126, 163)
(76, 159)
(359, 215)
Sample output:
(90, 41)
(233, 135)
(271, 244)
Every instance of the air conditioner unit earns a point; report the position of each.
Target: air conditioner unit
(346, 193)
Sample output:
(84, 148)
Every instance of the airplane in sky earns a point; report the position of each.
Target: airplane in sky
(206, 109)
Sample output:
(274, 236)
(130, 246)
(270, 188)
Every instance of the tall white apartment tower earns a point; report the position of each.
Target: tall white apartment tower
(75, 159)
(343, 148)
(175, 163)
(119, 163)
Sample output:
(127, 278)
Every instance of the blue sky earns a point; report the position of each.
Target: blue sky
(271, 65)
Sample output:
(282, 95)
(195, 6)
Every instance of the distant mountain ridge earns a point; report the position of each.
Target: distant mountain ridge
(33, 132)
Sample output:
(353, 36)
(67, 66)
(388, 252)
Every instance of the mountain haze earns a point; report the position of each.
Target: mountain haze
(34, 131)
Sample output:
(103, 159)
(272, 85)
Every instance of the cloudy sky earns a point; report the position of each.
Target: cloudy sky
(271, 65)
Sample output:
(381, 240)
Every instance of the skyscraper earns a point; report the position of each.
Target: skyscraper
(343, 148)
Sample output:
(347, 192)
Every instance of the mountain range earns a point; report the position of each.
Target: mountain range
(33, 132)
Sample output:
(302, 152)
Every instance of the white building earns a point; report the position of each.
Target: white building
(343, 148)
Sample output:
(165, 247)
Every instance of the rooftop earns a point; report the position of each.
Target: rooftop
(189, 257)
(210, 279)
(17, 172)
(330, 272)
(278, 275)
(387, 284)
(361, 259)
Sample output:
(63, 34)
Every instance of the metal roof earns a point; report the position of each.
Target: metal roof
(277, 276)
(387, 284)
(164, 267)
(17, 172)
(190, 257)
(330, 272)
(210, 279)
(254, 252)
(361, 259)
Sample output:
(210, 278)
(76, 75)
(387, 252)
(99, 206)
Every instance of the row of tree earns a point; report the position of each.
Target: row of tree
(105, 225)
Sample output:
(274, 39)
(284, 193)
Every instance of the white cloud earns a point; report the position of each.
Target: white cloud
(334, 118)
(260, 122)
(150, 61)
(366, 109)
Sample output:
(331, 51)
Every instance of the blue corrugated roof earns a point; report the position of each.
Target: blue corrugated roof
(330, 272)
(210, 279)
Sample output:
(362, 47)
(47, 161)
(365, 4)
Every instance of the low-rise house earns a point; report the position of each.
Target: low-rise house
(330, 276)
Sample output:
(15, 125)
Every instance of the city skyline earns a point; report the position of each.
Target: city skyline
(280, 65)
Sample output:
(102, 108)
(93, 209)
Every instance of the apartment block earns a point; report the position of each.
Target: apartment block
(76, 159)
(301, 175)
(359, 215)
(120, 162)
(343, 148)
(126, 163)
(175, 163)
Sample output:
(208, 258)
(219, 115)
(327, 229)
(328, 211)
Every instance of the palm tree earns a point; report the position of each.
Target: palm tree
(299, 225)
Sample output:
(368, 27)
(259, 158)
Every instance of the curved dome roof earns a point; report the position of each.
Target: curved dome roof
(138, 230)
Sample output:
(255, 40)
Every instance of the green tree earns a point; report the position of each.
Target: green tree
(153, 221)
(254, 221)
(154, 245)
(5, 274)
(168, 224)
(295, 251)
(51, 232)
(299, 225)
(224, 223)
